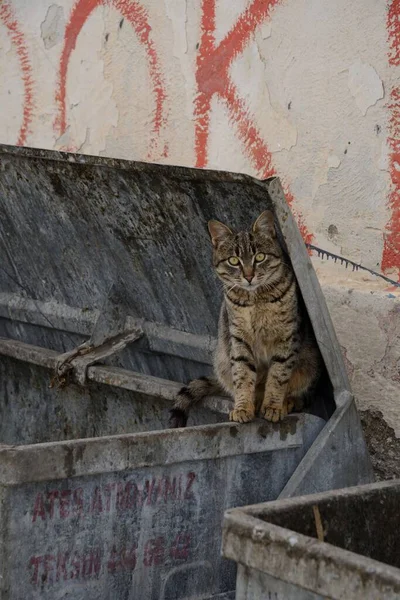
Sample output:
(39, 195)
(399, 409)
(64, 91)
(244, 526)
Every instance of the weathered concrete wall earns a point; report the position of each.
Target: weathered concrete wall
(367, 322)
(305, 89)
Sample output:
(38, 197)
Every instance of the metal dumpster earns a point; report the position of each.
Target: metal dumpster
(356, 555)
(107, 303)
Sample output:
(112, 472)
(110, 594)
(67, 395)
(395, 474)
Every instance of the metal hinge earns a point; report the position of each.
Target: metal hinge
(74, 364)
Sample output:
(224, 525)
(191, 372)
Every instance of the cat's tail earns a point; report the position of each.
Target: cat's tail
(189, 395)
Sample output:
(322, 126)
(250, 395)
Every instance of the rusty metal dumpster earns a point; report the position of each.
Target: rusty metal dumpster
(107, 304)
(331, 546)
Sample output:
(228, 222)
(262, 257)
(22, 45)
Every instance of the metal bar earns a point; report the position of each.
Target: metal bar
(42, 357)
(151, 386)
(114, 376)
(159, 338)
(47, 314)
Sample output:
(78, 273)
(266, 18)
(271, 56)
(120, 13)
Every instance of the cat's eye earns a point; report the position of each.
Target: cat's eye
(260, 257)
(234, 261)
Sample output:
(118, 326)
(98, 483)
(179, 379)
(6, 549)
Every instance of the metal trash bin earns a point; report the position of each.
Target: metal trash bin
(106, 280)
(356, 555)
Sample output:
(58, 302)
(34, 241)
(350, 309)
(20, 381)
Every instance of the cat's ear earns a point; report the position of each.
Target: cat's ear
(218, 232)
(265, 224)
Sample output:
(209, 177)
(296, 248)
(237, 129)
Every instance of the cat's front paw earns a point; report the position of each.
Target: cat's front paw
(274, 412)
(241, 415)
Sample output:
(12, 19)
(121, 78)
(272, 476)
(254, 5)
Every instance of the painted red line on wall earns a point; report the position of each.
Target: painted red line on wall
(212, 77)
(248, 132)
(137, 16)
(80, 13)
(17, 38)
(391, 248)
(393, 26)
(202, 103)
(213, 62)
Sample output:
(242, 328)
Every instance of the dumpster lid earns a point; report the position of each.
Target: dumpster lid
(75, 227)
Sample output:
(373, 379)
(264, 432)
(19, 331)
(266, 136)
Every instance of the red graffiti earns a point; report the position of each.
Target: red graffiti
(180, 547)
(39, 508)
(154, 552)
(391, 248)
(393, 26)
(61, 504)
(50, 569)
(189, 482)
(97, 501)
(112, 497)
(17, 38)
(122, 559)
(212, 77)
(137, 16)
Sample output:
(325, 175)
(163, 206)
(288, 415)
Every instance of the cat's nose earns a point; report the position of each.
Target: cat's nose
(249, 278)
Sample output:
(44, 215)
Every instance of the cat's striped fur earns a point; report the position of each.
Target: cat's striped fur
(267, 357)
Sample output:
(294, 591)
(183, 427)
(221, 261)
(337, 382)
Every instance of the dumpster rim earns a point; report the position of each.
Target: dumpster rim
(309, 499)
(186, 173)
(256, 538)
(49, 461)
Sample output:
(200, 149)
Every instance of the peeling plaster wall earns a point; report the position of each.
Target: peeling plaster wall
(367, 323)
(309, 78)
(307, 90)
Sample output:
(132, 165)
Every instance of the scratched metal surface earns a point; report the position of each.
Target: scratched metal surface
(32, 413)
(88, 520)
(70, 229)
(149, 534)
(252, 584)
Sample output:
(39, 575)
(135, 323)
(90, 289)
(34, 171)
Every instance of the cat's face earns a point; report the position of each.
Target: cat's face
(248, 259)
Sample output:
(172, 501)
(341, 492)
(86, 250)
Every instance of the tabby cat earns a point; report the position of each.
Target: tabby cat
(267, 357)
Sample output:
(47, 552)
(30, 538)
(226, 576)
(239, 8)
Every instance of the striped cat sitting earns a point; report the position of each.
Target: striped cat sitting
(267, 357)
